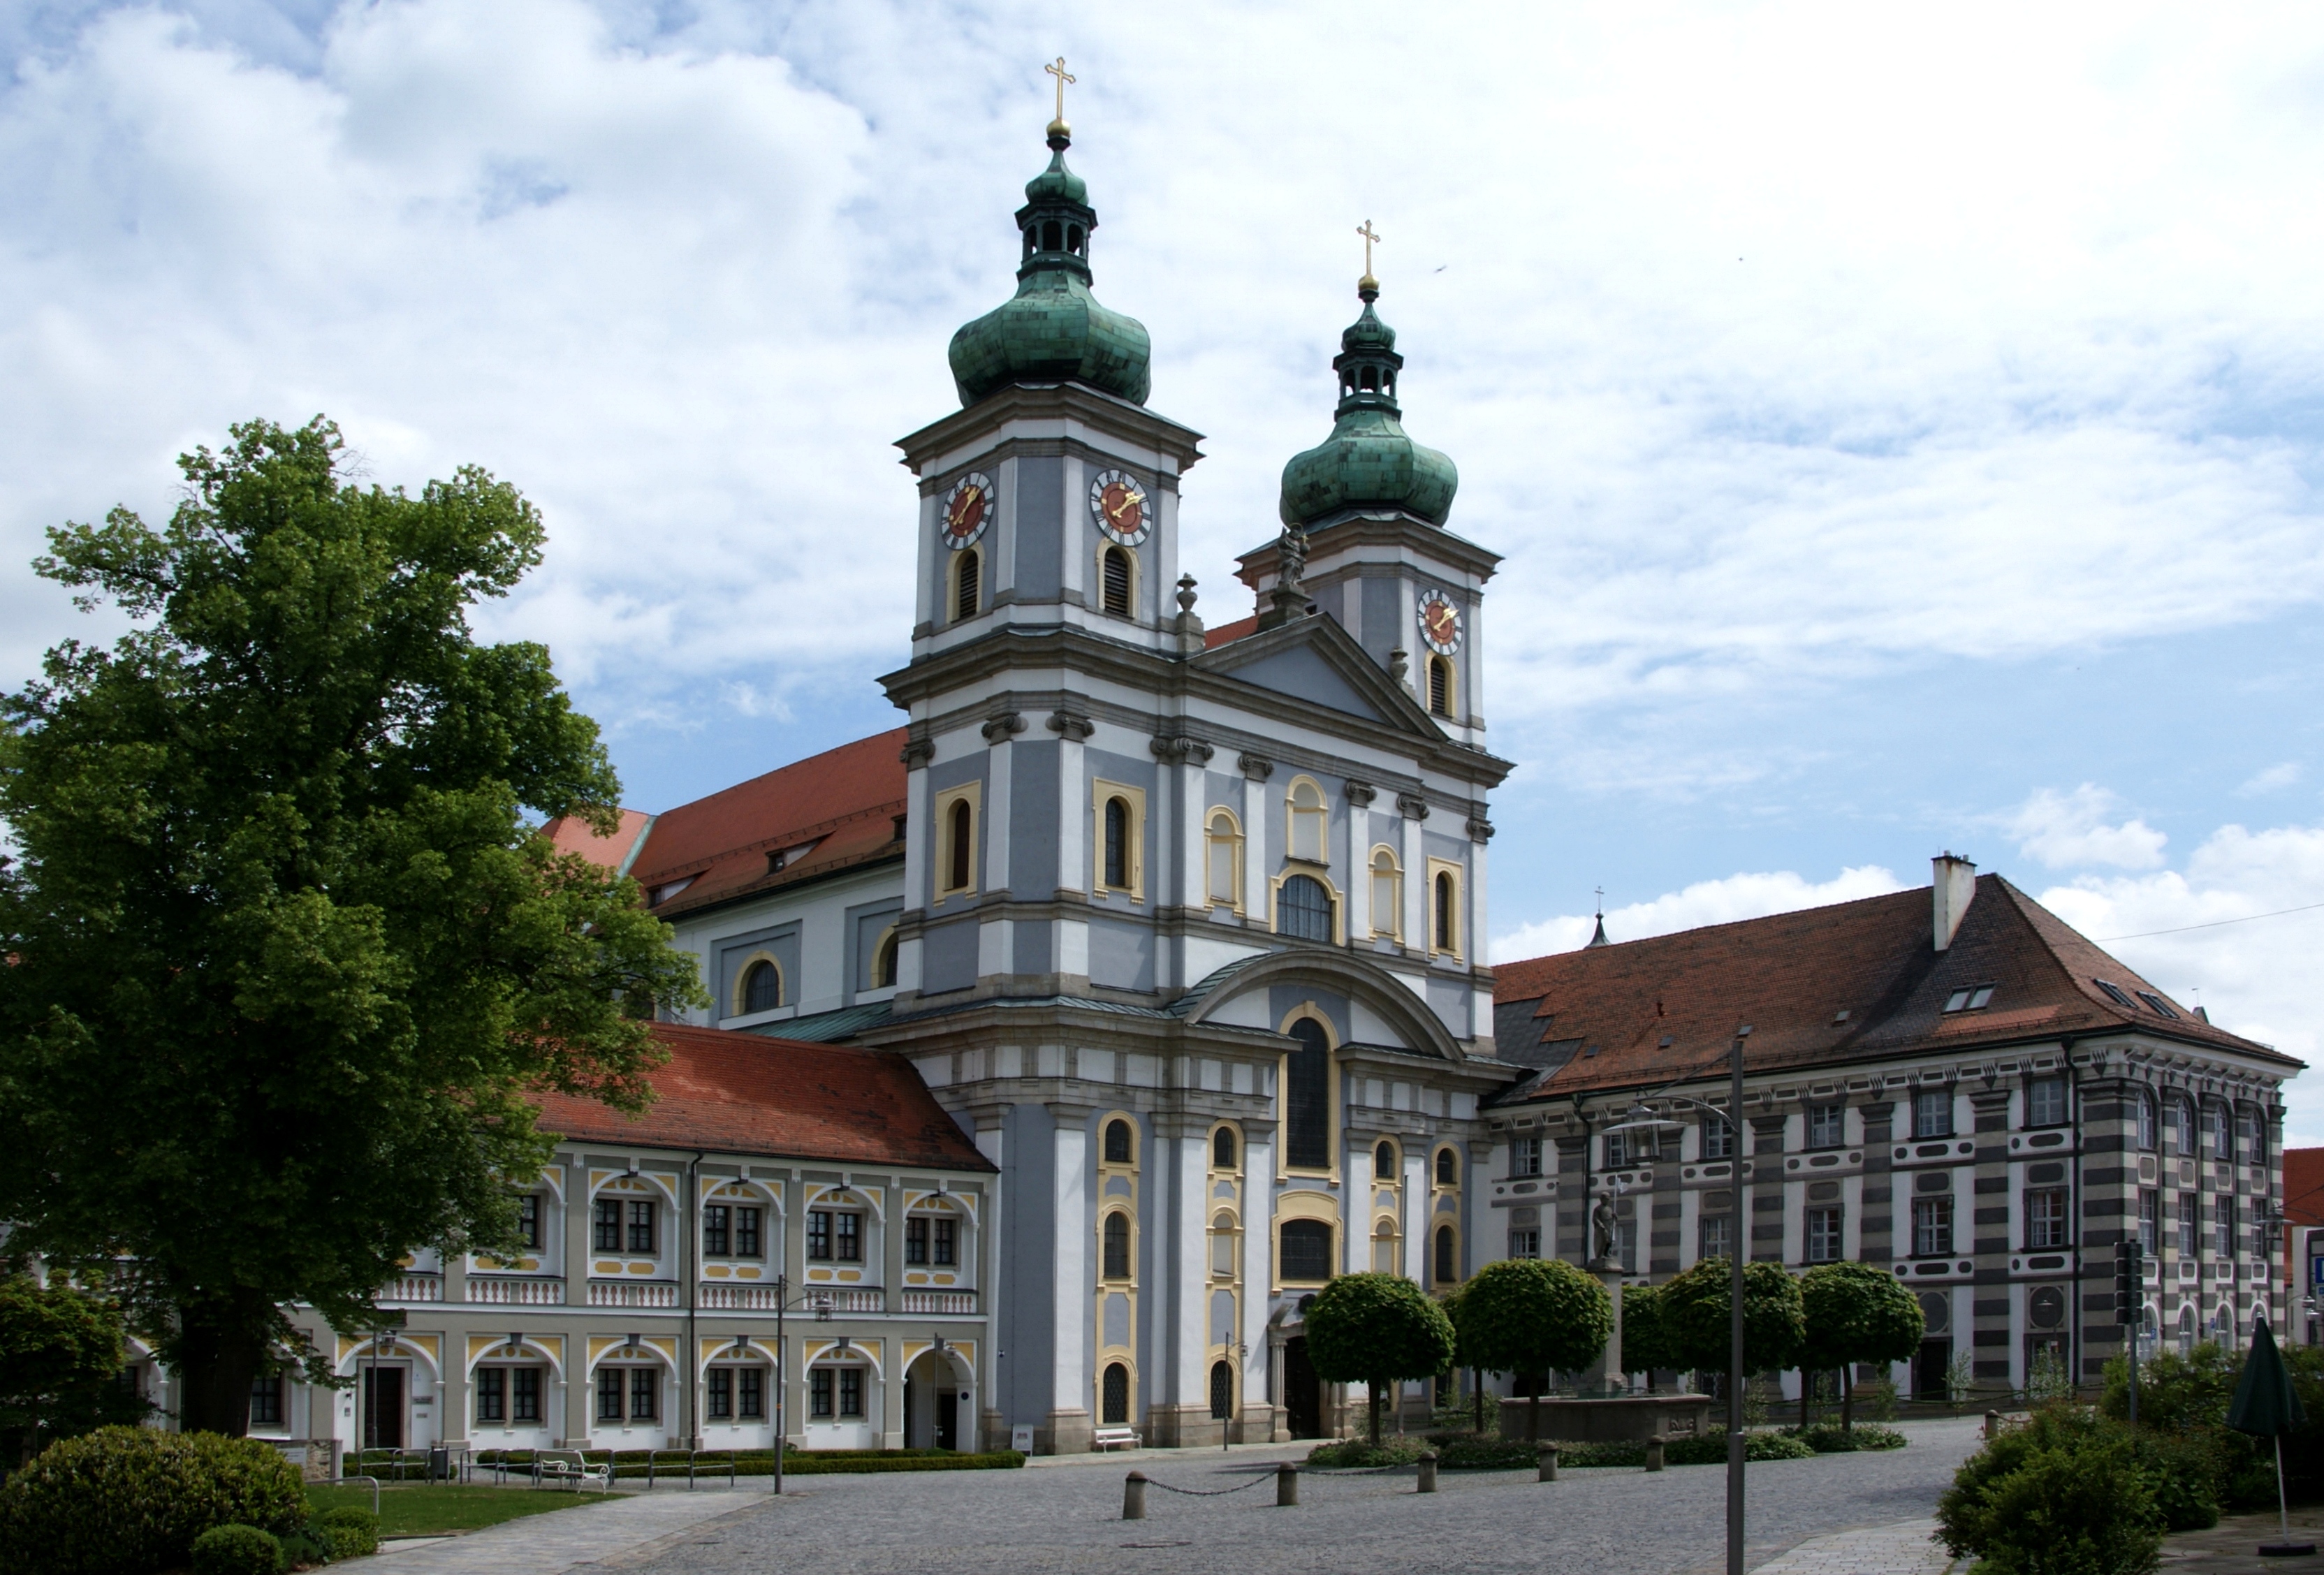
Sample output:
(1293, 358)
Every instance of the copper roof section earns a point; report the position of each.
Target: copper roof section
(1821, 987)
(746, 1093)
(817, 817)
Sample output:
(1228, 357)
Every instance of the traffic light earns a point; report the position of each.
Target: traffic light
(2129, 1270)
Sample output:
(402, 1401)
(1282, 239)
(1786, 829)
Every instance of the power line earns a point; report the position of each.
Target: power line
(2214, 924)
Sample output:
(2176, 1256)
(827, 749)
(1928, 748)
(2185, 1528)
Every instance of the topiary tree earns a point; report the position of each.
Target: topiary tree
(1531, 1316)
(1695, 1307)
(1645, 1334)
(1377, 1330)
(1856, 1312)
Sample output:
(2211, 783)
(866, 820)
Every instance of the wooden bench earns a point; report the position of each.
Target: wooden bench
(1114, 1438)
(568, 1466)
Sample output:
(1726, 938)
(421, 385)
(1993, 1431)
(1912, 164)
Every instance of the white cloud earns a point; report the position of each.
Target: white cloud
(2274, 780)
(1749, 895)
(2258, 979)
(2066, 831)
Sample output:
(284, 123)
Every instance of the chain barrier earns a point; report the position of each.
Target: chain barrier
(1210, 1492)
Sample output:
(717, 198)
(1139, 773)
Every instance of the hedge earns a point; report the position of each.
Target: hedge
(1476, 1454)
(128, 1500)
(236, 1550)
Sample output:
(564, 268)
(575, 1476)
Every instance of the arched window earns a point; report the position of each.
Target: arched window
(883, 960)
(1117, 843)
(1223, 1242)
(1307, 1104)
(1115, 1407)
(1308, 819)
(1384, 1249)
(1440, 685)
(1384, 1161)
(1118, 1140)
(1448, 1255)
(1307, 1250)
(762, 987)
(1448, 1168)
(1225, 859)
(1073, 239)
(967, 583)
(1113, 580)
(1053, 237)
(1117, 1246)
(1388, 894)
(960, 829)
(1222, 1148)
(1306, 909)
(1448, 912)
(1221, 1391)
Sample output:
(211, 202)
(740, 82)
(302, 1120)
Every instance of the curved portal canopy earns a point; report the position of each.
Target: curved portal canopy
(1245, 993)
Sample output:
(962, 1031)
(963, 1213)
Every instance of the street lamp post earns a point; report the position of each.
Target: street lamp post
(821, 1302)
(1639, 1116)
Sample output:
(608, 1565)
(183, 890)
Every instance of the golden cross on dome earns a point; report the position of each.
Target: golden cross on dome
(1058, 70)
(1370, 240)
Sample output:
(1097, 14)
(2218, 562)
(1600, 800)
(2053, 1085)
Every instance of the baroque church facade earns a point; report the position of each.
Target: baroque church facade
(1067, 1038)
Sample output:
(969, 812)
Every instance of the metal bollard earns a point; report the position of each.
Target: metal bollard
(1545, 1462)
(1287, 1486)
(1427, 1471)
(1654, 1454)
(1992, 1424)
(1134, 1496)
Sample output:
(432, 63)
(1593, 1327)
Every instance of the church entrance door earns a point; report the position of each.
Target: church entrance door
(1302, 1394)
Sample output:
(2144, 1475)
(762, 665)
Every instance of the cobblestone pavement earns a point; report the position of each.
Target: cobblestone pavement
(633, 1526)
(1601, 1521)
(1902, 1549)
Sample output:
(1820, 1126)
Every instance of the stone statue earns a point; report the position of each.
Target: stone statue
(1605, 1230)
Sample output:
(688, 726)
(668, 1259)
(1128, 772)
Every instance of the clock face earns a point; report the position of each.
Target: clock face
(1118, 504)
(1440, 623)
(967, 509)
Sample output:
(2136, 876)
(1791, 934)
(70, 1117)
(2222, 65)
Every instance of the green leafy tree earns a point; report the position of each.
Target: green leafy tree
(1856, 1312)
(1695, 1317)
(1379, 1330)
(1531, 1317)
(61, 1356)
(286, 961)
(1646, 1332)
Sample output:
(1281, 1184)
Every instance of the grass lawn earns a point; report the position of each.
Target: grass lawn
(414, 1509)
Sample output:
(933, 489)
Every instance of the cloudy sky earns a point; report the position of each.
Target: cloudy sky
(1902, 428)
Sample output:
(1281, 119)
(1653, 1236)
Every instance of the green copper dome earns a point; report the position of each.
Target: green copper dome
(1368, 462)
(1053, 330)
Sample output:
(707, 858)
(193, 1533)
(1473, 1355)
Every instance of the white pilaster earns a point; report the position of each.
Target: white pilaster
(1070, 1307)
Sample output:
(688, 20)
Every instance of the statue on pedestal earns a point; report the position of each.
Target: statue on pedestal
(1605, 1236)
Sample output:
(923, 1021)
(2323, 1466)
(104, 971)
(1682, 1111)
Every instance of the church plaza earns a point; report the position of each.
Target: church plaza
(1864, 1514)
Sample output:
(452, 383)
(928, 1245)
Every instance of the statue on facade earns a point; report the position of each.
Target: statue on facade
(1605, 1232)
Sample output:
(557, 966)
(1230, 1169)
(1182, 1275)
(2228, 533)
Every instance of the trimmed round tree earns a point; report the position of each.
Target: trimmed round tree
(1695, 1307)
(1645, 1334)
(1856, 1312)
(1532, 1316)
(1379, 1330)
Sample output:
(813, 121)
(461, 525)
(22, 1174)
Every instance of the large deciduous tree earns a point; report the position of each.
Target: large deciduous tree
(1855, 1312)
(1379, 1331)
(61, 1357)
(284, 961)
(1532, 1317)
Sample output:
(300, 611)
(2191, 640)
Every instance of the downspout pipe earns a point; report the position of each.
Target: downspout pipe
(691, 1367)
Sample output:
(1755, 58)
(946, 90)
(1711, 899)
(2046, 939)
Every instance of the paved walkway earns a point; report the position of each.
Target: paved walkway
(1903, 1548)
(2232, 1546)
(631, 1529)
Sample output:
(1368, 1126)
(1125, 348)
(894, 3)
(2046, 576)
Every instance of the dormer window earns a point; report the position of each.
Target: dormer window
(1968, 999)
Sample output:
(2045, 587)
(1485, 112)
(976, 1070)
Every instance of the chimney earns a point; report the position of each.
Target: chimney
(1953, 886)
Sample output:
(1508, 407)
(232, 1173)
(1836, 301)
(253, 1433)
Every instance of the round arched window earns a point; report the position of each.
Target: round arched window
(1117, 1246)
(1306, 909)
(1222, 1148)
(1448, 1168)
(1384, 1161)
(1115, 1404)
(1221, 1391)
(762, 987)
(1117, 1142)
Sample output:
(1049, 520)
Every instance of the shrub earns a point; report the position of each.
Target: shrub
(299, 1550)
(236, 1550)
(2188, 1395)
(353, 1531)
(125, 1500)
(1483, 1454)
(2070, 1493)
(1348, 1454)
(1710, 1449)
(1827, 1440)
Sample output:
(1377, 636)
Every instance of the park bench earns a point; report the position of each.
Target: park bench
(568, 1466)
(1113, 1438)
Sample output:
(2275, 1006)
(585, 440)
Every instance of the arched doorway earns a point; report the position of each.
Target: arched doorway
(1303, 1391)
(936, 1402)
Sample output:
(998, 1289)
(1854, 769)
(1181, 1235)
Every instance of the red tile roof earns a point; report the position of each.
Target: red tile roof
(574, 836)
(1227, 633)
(840, 807)
(1853, 981)
(746, 1093)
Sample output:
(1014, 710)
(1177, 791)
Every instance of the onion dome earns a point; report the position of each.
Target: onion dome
(1368, 462)
(1053, 330)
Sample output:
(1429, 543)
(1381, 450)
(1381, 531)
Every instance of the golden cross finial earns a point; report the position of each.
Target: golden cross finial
(1057, 69)
(1370, 240)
